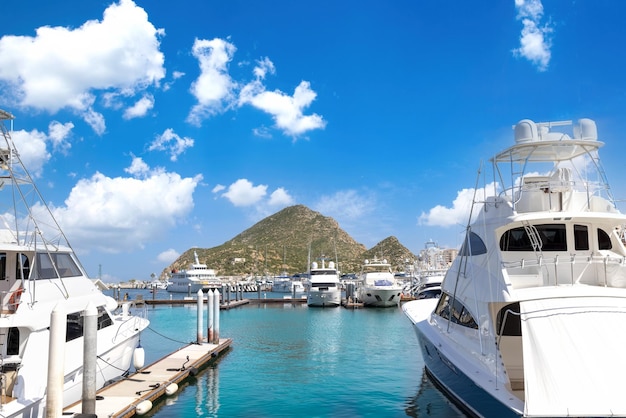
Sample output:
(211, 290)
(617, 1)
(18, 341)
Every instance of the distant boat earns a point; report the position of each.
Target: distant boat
(287, 284)
(42, 279)
(377, 285)
(324, 285)
(429, 284)
(197, 277)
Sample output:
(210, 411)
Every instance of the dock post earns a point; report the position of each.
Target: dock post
(258, 289)
(227, 293)
(210, 314)
(90, 352)
(200, 316)
(216, 318)
(189, 290)
(56, 362)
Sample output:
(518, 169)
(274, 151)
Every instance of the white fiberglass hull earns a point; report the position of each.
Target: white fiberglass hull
(324, 298)
(380, 296)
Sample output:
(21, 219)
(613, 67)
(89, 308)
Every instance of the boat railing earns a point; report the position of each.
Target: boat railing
(130, 323)
(599, 269)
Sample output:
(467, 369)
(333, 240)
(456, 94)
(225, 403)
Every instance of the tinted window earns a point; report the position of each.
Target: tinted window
(476, 245)
(552, 237)
(455, 311)
(604, 241)
(64, 265)
(581, 238)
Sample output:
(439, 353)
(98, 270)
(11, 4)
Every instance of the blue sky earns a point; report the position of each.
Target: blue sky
(155, 127)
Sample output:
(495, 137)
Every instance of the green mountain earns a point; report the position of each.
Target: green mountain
(281, 243)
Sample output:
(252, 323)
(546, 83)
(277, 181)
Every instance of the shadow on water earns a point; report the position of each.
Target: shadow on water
(430, 402)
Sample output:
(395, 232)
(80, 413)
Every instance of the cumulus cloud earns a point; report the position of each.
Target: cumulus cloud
(459, 212)
(280, 197)
(64, 67)
(535, 42)
(244, 193)
(168, 256)
(213, 89)
(171, 142)
(123, 213)
(286, 111)
(140, 108)
(345, 204)
(33, 146)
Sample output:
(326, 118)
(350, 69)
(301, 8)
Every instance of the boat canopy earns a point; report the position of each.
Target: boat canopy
(574, 362)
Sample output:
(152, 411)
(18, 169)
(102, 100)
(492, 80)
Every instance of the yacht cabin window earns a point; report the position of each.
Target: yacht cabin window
(75, 323)
(22, 267)
(476, 245)
(454, 310)
(3, 266)
(604, 240)
(65, 266)
(581, 238)
(551, 236)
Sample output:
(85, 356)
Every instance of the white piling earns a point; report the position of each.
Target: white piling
(90, 330)
(56, 362)
(216, 318)
(200, 316)
(210, 315)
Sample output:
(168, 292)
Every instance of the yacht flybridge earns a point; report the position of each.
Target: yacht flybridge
(531, 316)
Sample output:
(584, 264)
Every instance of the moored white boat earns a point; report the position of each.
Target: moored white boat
(197, 277)
(531, 316)
(287, 284)
(377, 285)
(41, 273)
(324, 287)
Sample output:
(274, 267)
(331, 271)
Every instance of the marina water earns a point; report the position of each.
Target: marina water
(291, 360)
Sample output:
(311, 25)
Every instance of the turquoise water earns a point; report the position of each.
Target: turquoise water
(290, 360)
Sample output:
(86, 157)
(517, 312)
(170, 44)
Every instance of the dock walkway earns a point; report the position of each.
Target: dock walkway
(120, 399)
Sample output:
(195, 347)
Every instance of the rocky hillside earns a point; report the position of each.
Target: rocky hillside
(281, 242)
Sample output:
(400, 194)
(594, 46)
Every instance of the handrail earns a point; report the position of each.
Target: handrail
(585, 260)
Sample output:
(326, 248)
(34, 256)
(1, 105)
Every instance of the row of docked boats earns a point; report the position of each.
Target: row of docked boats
(532, 310)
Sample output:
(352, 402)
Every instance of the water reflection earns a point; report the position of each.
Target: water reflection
(430, 402)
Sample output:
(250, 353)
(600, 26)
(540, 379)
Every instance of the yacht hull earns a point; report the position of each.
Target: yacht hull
(380, 297)
(324, 298)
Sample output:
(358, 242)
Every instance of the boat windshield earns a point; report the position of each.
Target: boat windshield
(65, 266)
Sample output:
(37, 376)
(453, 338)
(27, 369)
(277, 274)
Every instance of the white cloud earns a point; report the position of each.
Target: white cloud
(218, 188)
(120, 214)
(346, 205)
(58, 134)
(287, 111)
(280, 197)
(171, 142)
(264, 66)
(244, 193)
(33, 146)
(459, 213)
(140, 108)
(213, 88)
(168, 256)
(535, 42)
(64, 67)
(138, 168)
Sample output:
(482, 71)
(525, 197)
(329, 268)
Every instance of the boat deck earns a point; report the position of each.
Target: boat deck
(120, 399)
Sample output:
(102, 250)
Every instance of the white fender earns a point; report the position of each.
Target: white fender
(143, 407)
(139, 357)
(171, 389)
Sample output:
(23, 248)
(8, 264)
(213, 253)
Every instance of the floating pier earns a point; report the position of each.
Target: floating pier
(135, 394)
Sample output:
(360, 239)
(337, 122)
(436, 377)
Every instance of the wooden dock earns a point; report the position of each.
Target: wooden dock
(120, 399)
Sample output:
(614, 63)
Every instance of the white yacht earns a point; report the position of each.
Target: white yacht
(287, 284)
(197, 277)
(532, 313)
(324, 288)
(377, 285)
(429, 284)
(39, 274)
